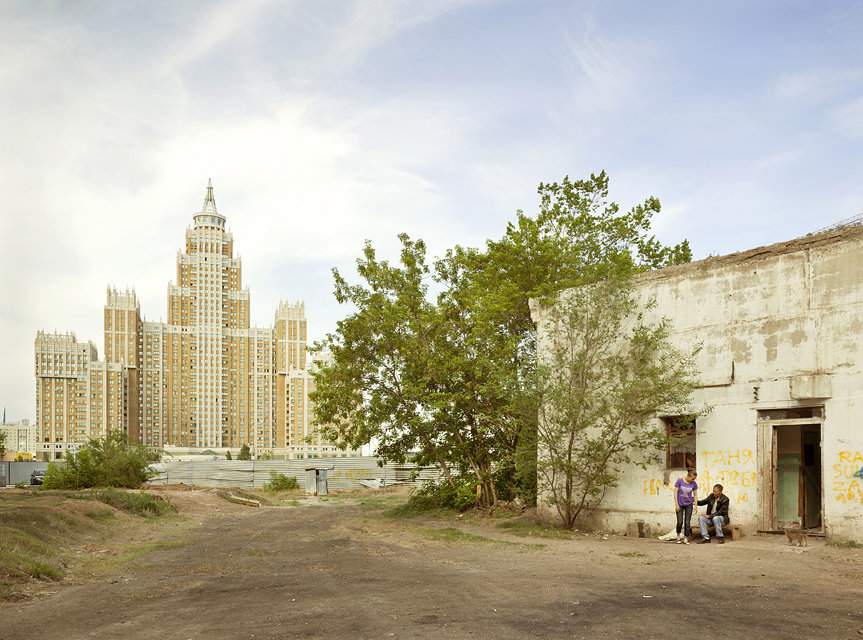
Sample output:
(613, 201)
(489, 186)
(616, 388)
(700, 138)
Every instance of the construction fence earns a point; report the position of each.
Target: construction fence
(342, 473)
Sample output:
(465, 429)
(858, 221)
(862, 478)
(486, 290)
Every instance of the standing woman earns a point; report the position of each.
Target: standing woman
(685, 492)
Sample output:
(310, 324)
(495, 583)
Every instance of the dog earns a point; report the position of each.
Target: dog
(796, 537)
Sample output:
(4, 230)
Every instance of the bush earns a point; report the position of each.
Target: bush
(245, 453)
(281, 482)
(114, 461)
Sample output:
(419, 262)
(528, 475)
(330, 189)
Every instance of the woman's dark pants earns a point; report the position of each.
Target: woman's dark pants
(683, 518)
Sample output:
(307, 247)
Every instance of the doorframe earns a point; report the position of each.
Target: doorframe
(768, 469)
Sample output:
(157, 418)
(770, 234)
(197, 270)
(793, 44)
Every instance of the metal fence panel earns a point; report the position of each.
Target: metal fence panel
(16, 472)
(342, 473)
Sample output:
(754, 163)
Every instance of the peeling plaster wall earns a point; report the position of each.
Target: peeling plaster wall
(780, 327)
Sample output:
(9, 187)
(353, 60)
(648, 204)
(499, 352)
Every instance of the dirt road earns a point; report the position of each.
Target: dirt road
(339, 570)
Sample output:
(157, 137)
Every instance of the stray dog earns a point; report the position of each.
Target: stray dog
(796, 537)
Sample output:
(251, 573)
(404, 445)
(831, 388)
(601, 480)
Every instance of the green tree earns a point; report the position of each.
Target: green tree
(245, 453)
(228, 455)
(2, 443)
(453, 381)
(605, 375)
(113, 461)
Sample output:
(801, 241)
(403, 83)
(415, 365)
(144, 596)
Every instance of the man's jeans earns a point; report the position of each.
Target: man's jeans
(704, 522)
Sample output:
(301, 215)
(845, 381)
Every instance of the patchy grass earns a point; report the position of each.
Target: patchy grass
(269, 500)
(527, 529)
(292, 503)
(844, 544)
(101, 515)
(140, 503)
(39, 531)
(632, 554)
(451, 534)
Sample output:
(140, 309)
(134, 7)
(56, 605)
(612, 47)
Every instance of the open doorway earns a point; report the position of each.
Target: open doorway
(797, 476)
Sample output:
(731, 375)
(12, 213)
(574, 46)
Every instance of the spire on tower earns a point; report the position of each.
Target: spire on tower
(209, 200)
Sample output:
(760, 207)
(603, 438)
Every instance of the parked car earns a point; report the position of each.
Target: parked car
(37, 476)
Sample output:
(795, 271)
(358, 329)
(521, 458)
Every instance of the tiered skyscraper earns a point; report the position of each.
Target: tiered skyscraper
(203, 379)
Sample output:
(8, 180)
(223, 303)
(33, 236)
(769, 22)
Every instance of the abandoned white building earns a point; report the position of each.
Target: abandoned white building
(781, 364)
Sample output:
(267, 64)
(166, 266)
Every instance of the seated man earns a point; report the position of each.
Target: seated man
(717, 514)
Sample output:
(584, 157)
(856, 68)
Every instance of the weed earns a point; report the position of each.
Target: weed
(292, 503)
(632, 554)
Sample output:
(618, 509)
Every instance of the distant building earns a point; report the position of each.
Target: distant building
(21, 437)
(202, 379)
(781, 365)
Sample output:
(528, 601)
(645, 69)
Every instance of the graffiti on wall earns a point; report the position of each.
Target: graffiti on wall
(848, 477)
(732, 468)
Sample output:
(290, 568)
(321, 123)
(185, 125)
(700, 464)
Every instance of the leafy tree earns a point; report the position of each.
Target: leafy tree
(113, 461)
(2, 443)
(228, 455)
(245, 453)
(453, 381)
(605, 375)
(45, 457)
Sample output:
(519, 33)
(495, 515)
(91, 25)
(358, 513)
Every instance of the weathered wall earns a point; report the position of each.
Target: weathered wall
(780, 327)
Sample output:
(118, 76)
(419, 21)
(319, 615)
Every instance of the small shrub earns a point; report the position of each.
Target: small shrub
(21, 485)
(281, 482)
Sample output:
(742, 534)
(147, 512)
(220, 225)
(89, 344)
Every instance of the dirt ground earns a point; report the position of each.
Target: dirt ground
(338, 569)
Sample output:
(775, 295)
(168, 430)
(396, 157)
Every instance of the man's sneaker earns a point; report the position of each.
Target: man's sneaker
(686, 541)
(705, 541)
(722, 540)
(679, 541)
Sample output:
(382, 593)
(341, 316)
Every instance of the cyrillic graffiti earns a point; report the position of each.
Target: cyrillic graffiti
(848, 478)
(720, 467)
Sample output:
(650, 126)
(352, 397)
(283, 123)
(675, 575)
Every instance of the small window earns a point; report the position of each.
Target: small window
(681, 442)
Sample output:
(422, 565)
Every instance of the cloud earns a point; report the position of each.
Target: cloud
(606, 72)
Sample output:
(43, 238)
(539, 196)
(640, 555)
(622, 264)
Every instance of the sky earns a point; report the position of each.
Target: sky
(326, 124)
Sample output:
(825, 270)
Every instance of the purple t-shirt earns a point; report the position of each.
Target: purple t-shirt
(685, 492)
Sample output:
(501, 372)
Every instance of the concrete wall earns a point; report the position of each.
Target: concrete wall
(781, 327)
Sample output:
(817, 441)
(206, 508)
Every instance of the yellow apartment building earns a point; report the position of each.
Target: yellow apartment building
(204, 379)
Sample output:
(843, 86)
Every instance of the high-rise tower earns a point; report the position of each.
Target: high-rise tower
(204, 378)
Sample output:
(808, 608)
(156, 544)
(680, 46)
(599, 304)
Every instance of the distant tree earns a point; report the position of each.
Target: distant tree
(19, 458)
(113, 461)
(604, 376)
(228, 455)
(45, 456)
(2, 443)
(245, 453)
